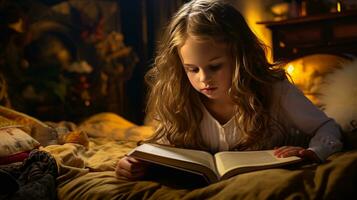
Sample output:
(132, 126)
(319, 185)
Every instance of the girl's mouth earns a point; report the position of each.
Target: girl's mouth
(208, 90)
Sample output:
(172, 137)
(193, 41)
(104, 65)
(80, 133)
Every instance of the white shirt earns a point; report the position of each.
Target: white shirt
(299, 122)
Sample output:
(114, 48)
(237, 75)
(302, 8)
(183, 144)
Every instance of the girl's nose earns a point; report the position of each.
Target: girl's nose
(205, 77)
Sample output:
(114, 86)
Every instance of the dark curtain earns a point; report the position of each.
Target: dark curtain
(142, 22)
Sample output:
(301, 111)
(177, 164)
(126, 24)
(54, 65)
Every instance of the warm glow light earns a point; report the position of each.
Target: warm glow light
(338, 6)
(290, 69)
(253, 13)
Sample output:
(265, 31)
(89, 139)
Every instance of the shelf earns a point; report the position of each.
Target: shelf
(311, 18)
(334, 33)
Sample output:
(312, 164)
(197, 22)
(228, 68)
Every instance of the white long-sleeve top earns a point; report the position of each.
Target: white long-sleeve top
(297, 122)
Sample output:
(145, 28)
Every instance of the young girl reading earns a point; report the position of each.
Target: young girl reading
(212, 88)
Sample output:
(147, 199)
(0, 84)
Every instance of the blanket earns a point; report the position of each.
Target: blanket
(85, 170)
(89, 174)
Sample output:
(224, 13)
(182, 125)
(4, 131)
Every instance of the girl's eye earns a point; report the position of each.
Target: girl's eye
(191, 69)
(215, 67)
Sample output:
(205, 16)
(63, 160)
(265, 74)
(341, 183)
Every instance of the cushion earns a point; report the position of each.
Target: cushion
(308, 73)
(14, 144)
(339, 96)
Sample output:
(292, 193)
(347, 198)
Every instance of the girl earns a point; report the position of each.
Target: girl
(212, 88)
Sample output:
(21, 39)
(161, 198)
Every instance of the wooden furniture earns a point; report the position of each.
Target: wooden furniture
(325, 33)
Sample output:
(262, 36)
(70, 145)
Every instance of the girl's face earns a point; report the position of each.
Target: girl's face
(208, 67)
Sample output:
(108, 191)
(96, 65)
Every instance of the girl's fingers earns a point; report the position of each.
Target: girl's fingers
(278, 150)
(287, 151)
(136, 176)
(138, 164)
(129, 164)
(120, 172)
(130, 168)
(281, 149)
(124, 164)
(138, 169)
(133, 160)
(290, 152)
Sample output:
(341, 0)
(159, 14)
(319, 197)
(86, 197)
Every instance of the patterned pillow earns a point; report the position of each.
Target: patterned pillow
(14, 144)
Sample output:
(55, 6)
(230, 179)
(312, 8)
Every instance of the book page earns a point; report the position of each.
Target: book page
(186, 155)
(227, 161)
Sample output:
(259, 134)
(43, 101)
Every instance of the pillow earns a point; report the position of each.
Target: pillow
(15, 144)
(339, 96)
(339, 100)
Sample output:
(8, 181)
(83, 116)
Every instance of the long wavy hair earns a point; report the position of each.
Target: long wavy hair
(174, 105)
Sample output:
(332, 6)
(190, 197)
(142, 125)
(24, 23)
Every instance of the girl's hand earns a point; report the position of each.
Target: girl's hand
(286, 151)
(130, 168)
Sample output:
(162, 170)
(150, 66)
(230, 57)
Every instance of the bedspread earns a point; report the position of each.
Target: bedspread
(89, 174)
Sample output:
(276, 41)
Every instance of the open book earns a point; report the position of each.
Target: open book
(213, 168)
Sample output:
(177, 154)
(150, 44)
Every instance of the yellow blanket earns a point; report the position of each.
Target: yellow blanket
(88, 173)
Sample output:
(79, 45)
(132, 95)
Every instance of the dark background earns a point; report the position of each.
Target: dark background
(56, 33)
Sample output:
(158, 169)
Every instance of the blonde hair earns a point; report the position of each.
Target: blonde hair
(174, 105)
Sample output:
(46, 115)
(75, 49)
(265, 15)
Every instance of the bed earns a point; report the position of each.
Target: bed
(86, 154)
